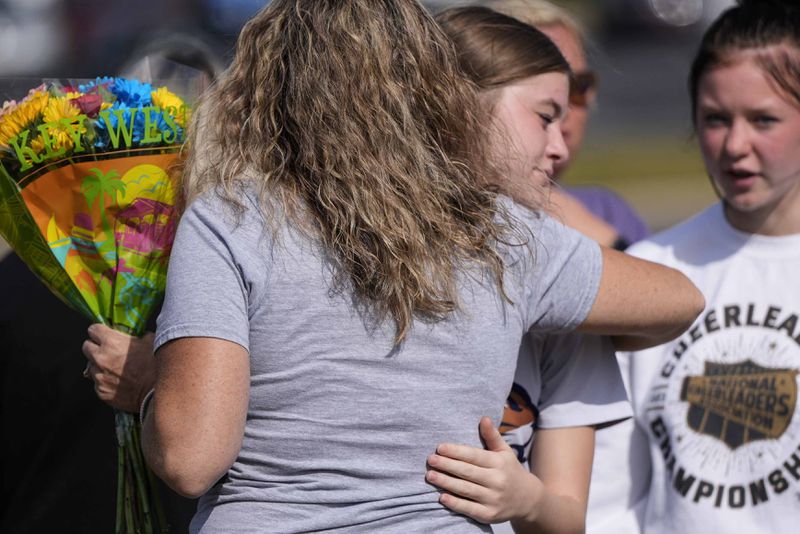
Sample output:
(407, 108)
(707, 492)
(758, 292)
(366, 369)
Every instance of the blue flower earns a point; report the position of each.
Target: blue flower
(89, 87)
(132, 93)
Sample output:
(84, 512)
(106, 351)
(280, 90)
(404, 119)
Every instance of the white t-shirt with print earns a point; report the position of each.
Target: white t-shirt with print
(719, 404)
(561, 381)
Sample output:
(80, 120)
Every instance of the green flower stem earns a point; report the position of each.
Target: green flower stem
(138, 520)
(138, 496)
(135, 502)
(159, 519)
(129, 521)
(120, 489)
(133, 447)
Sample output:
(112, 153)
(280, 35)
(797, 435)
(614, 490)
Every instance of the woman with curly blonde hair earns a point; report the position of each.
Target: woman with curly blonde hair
(345, 290)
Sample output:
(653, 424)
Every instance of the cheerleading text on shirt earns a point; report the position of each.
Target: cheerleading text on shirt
(733, 316)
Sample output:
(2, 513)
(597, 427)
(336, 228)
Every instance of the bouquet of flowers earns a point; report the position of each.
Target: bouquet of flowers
(87, 200)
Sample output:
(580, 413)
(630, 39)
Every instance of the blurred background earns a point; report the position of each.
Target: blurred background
(639, 141)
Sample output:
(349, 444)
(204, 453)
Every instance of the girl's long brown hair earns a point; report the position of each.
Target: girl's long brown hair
(354, 115)
(496, 49)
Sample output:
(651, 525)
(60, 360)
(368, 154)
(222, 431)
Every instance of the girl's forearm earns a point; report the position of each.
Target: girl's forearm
(550, 513)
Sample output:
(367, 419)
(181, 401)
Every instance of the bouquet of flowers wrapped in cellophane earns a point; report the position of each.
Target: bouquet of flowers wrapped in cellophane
(87, 200)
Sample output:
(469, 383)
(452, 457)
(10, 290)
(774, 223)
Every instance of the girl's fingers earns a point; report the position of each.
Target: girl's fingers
(457, 468)
(467, 454)
(457, 486)
(475, 510)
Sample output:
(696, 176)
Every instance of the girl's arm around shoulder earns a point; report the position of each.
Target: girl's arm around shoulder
(491, 486)
(641, 303)
(193, 430)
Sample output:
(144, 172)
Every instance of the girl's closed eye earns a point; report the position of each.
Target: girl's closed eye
(547, 119)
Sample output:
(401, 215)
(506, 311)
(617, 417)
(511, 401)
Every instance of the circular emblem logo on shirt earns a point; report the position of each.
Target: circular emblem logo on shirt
(723, 412)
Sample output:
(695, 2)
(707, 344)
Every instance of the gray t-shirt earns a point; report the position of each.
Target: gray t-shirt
(339, 425)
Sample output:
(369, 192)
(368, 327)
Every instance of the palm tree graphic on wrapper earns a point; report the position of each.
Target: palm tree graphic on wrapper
(97, 186)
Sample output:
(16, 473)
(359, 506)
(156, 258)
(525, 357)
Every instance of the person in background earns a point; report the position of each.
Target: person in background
(718, 424)
(623, 225)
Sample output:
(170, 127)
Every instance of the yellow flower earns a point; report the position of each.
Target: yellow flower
(16, 119)
(170, 103)
(61, 108)
(37, 144)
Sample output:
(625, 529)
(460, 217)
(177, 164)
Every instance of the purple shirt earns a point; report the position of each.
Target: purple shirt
(610, 207)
